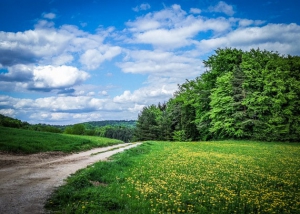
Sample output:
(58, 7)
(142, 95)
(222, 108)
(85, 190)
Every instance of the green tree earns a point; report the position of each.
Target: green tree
(78, 129)
(147, 127)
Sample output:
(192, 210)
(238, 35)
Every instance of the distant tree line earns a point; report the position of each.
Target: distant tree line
(120, 132)
(15, 123)
(121, 129)
(243, 95)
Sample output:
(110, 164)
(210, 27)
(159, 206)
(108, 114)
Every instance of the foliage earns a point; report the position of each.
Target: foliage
(27, 141)
(207, 177)
(15, 123)
(243, 95)
(77, 129)
(121, 130)
(116, 129)
(93, 124)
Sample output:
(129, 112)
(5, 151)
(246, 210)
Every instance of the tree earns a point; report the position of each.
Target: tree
(78, 129)
(147, 127)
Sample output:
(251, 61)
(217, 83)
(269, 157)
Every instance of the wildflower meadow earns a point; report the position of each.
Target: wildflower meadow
(192, 177)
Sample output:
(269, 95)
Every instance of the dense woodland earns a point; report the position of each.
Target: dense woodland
(243, 95)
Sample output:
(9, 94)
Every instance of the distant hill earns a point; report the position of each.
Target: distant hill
(11, 122)
(117, 129)
(15, 123)
(94, 124)
(6, 121)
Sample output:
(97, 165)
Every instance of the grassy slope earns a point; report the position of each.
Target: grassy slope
(206, 177)
(26, 141)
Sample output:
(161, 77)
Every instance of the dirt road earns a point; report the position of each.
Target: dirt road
(27, 181)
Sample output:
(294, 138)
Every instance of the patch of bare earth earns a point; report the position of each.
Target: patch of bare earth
(26, 181)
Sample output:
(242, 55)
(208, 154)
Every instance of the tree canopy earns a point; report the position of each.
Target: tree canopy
(242, 95)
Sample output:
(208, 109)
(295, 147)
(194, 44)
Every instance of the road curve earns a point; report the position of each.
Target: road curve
(27, 181)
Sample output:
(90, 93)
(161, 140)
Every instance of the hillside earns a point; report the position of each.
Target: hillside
(28, 141)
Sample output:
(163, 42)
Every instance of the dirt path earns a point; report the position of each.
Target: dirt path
(27, 181)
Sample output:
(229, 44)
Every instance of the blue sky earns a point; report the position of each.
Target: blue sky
(71, 61)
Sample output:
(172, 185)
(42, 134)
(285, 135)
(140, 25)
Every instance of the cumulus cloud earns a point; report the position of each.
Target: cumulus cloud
(92, 58)
(145, 95)
(272, 37)
(162, 64)
(55, 104)
(144, 6)
(46, 44)
(137, 108)
(10, 57)
(222, 7)
(48, 58)
(48, 77)
(45, 78)
(65, 110)
(8, 112)
(172, 28)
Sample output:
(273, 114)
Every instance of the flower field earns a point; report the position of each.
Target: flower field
(204, 177)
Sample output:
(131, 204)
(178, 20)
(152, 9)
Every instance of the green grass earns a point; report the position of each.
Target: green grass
(205, 177)
(26, 141)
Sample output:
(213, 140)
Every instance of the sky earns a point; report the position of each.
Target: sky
(70, 61)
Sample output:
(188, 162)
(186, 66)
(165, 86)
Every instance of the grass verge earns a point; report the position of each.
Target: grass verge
(206, 177)
(26, 141)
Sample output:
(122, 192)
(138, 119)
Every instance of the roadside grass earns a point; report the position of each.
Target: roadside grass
(26, 141)
(203, 177)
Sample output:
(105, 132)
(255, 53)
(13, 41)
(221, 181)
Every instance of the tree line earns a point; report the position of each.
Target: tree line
(120, 132)
(15, 123)
(242, 95)
(121, 129)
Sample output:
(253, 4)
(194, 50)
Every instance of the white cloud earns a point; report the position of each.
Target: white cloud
(92, 58)
(248, 22)
(57, 77)
(66, 110)
(45, 77)
(153, 93)
(137, 108)
(49, 15)
(160, 63)
(62, 59)
(195, 10)
(223, 7)
(91, 94)
(8, 112)
(47, 44)
(104, 93)
(144, 6)
(172, 28)
(273, 37)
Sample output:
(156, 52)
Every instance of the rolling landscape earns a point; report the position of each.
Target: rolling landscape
(149, 107)
(226, 142)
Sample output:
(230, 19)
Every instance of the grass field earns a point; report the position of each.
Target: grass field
(205, 177)
(26, 141)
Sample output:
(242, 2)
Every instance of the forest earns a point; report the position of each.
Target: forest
(252, 95)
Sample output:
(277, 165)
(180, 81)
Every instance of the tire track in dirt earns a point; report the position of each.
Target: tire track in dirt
(26, 181)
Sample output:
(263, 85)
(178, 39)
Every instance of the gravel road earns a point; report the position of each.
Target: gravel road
(26, 181)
